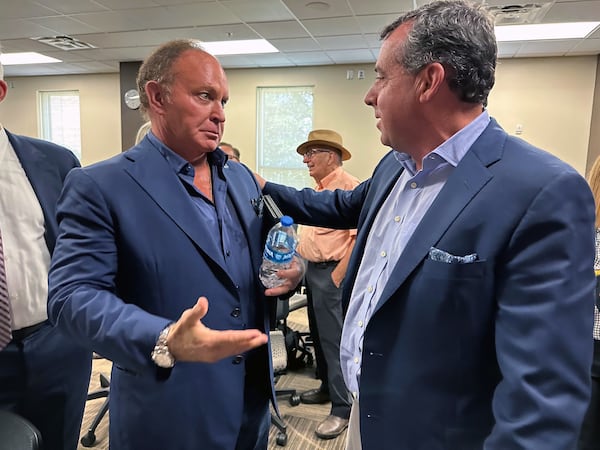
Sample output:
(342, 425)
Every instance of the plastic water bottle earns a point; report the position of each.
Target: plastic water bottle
(279, 250)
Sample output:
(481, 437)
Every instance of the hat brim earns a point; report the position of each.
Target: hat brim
(306, 146)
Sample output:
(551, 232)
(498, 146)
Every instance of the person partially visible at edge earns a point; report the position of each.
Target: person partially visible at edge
(589, 439)
(156, 268)
(469, 292)
(231, 151)
(142, 131)
(44, 374)
(327, 252)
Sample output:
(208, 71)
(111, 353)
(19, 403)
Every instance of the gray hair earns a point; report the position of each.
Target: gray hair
(157, 67)
(458, 35)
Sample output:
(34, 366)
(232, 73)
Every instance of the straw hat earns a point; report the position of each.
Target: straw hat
(324, 138)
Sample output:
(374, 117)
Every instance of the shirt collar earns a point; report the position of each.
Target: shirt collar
(329, 177)
(180, 164)
(453, 149)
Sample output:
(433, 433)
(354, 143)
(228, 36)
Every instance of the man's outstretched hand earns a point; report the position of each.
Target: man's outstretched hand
(189, 340)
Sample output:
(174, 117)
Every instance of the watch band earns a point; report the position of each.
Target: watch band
(161, 355)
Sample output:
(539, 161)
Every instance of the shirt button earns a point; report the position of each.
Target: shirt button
(356, 360)
(397, 219)
(413, 185)
(236, 312)
(228, 253)
(238, 359)
(370, 289)
(383, 254)
(360, 323)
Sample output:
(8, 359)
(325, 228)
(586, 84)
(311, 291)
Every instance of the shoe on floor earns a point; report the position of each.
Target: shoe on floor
(314, 397)
(331, 427)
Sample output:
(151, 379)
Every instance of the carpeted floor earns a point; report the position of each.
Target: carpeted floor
(300, 420)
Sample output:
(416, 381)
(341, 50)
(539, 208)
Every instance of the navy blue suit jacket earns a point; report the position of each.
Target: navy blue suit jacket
(130, 258)
(495, 354)
(46, 166)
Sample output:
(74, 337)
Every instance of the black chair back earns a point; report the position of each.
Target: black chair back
(17, 433)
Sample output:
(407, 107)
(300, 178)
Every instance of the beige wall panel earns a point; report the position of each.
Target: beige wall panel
(552, 99)
(99, 103)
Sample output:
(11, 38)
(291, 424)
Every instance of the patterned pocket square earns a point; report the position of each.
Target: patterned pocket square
(435, 254)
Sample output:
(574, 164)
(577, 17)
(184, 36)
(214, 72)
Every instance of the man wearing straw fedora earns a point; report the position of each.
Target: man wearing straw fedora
(327, 252)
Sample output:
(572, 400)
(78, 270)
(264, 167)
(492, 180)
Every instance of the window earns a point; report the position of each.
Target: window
(59, 119)
(284, 121)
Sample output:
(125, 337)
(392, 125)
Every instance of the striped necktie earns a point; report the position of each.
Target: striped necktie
(5, 321)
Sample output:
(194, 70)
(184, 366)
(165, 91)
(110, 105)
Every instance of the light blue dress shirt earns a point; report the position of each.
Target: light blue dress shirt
(396, 220)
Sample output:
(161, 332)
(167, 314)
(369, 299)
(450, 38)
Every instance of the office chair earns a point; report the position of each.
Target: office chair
(17, 433)
(89, 439)
(286, 342)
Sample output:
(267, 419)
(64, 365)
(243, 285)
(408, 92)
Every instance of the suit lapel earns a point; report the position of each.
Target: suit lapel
(470, 176)
(152, 172)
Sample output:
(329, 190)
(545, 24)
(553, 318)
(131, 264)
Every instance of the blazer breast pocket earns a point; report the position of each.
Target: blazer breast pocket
(451, 271)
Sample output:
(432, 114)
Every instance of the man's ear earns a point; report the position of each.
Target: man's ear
(156, 95)
(429, 81)
(3, 89)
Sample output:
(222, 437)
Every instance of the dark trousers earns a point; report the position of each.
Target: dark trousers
(325, 319)
(45, 377)
(589, 438)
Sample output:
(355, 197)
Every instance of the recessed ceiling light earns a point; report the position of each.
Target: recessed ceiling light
(544, 31)
(13, 59)
(320, 6)
(243, 47)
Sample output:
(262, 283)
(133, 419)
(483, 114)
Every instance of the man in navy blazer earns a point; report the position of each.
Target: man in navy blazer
(44, 374)
(146, 233)
(469, 294)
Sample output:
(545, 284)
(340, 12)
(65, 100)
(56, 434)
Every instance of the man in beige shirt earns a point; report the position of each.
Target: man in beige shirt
(327, 252)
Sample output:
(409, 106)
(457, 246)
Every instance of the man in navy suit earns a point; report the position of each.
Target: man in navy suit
(44, 374)
(147, 240)
(470, 289)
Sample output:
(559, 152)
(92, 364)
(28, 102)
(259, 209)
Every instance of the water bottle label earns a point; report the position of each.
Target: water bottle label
(280, 248)
(277, 257)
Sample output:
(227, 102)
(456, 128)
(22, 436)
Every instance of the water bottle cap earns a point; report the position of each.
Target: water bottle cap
(286, 221)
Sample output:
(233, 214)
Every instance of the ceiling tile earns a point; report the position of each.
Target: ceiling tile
(307, 9)
(361, 7)
(295, 44)
(332, 27)
(258, 10)
(355, 41)
(278, 30)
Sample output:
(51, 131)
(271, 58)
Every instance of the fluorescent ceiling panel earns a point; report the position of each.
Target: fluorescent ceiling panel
(544, 31)
(243, 47)
(11, 59)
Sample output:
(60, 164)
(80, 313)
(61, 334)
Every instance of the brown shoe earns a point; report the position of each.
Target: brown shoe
(331, 427)
(314, 397)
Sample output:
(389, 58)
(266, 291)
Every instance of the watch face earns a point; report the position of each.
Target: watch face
(132, 99)
(163, 359)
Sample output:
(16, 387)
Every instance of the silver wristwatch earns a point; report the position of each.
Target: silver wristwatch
(161, 355)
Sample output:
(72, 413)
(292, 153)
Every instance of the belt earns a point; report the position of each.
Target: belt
(324, 263)
(22, 333)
